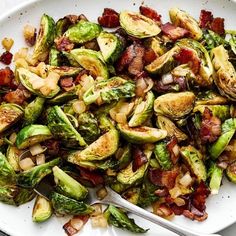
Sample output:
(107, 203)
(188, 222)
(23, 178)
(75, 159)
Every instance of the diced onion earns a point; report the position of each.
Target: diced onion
(86, 81)
(12, 137)
(141, 86)
(7, 43)
(79, 107)
(21, 63)
(167, 79)
(76, 223)
(42, 70)
(140, 107)
(176, 150)
(186, 180)
(97, 209)
(26, 163)
(22, 53)
(179, 201)
(175, 192)
(99, 221)
(40, 159)
(37, 83)
(101, 193)
(36, 149)
(28, 32)
(121, 118)
(149, 83)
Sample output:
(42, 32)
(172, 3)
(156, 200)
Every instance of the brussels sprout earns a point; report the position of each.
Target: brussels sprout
(64, 71)
(142, 134)
(215, 174)
(70, 59)
(83, 31)
(30, 178)
(119, 219)
(143, 110)
(156, 45)
(164, 63)
(91, 61)
(7, 173)
(138, 25)
(172, 130)
(162, 155)
(210, 98)
(29, 80)
(9, 114)
(14, 195)
(225, 78)
(12, 155)
(67, 206)
(45, 38)
(206, 67)
(124, 157)
(175, 105)
(32, 134)
(108, 90)
(67, 185)
(183, 19)
(105, 146)
(54, 57)
(110, 45)
(61, 127)
(220, 111)
(42, 210)
(88, 127)
(129, 177)
(228, 130)
(61, 26)
(33, 110)
(194, 159)
(231, 172)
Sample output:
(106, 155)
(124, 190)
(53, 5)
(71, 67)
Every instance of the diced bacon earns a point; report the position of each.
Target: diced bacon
(139, 158)
(174, 32)
(6, 77)
(16, 96)
(150, 13)
(162, 192)
(205, 19)
(52, 147)
(109, 18)
(171, 146)
(79, 76)
(217, 25)
(91, 176)
(149, 56)
(67, 82)
(6, 58)
(163, 210)
(63, 44)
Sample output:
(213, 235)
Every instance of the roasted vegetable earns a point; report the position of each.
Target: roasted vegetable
(64, 71)
(215, 175)
(67, 206)
(45, 38)
(231, 172)
(138, 25)
(124, 157)
(210, 98)
(30, 178)
(83, 31)
(54, 57)
(42, 210)
(13, 154)
(61, 127)
(174, 105)
(32, 134)
(68, 186)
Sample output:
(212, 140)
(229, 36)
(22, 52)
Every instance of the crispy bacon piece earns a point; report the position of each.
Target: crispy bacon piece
(67, 83)
(63, 44)
(78, 77)
(150, 13)
(149, 56)
(173, 148)
(210, 127)
(163, 192)
(73, 19)
(187, 56)
(6, 77)
(139, 158)
(6, 58)
(205, 19)
(217, 25)
(109, 18)
(189, 214)
(91, 176)
(174, 32)
(162, 210)
(53, 147)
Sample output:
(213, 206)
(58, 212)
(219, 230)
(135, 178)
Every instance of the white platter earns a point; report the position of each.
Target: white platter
(17, 221)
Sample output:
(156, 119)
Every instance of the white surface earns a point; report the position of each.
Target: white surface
(17, 221)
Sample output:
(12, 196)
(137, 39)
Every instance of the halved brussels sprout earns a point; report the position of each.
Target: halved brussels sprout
(108, 90)
(61, 127)
(110, 45)
(210, 98)
(225, 76)
(35, 84)
(42, 210)
(68, 186)
(9, 114)
(174, 105)
(91, 61)
(183, 19)
(32, 134)
(156, 45)
(164, 63)
(206, 67)
(194, 159)
(45, 38)
(124, 157)
(215, 174)
(184, 70)
(143, 110)
(64, 71)
(12, 155)
(142, 134)
(83, 31)
(54, 57)
(172, 130)
(138, 25)
(70, 59)
(231, 172)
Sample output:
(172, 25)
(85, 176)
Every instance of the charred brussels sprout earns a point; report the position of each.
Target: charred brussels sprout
(64, 71)
(225, 74)
(110, 45)
(83, 31)
(32, 134)
(33, 111)
(210, 98)
(143, 110)
(9, 115)
(142, 134)
(231, 172)
(13, 154)
(67, 206)
(138, 25)
(45, 38)
(183, 19)
(88, 127)
(194, 159)
(109, 90)
(62, 128)
(30, 178)
(54, 57)
(42, 210)
(68, 186)
(175, 105)
(91, 61)
(124, 156)
(215, 175)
